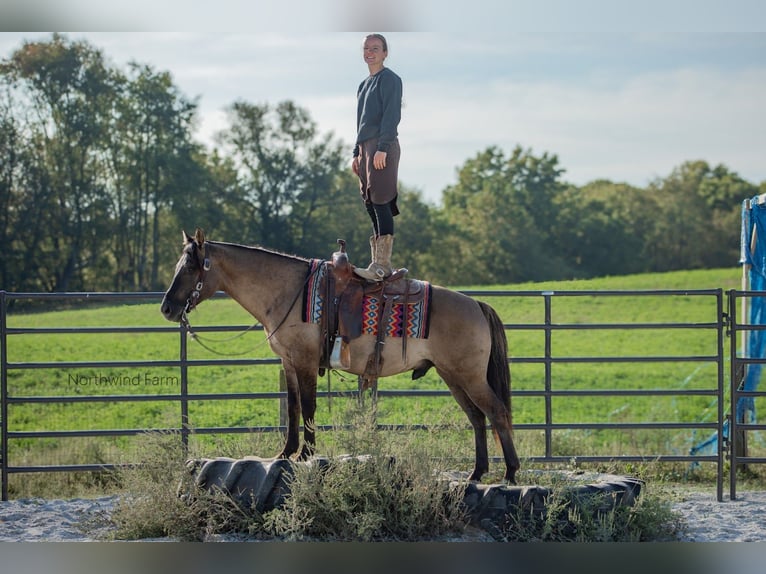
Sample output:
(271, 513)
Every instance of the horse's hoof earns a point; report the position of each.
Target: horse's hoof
(306, 453)
(475, 476)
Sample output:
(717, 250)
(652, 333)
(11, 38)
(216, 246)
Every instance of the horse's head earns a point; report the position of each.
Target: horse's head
(191, 283)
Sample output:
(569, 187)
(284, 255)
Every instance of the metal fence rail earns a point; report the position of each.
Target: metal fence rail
(547, 359)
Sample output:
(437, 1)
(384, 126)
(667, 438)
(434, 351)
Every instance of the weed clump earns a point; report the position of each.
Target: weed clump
(152, 507)
(570, 517)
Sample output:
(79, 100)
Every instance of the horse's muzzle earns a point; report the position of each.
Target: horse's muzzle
(171, 311)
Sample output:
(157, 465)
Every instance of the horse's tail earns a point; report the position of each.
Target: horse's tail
(498, 371)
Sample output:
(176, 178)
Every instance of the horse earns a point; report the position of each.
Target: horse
(466, 342)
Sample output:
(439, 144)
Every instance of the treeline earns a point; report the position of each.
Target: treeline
(99, 174)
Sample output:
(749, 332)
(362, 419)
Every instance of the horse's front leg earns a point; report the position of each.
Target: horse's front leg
(293, 412)
(307, 382)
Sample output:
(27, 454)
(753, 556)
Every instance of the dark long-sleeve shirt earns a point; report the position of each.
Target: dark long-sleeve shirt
(378, 109)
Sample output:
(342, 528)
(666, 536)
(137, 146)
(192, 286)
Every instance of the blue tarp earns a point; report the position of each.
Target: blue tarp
(753, 218)
(757, 261)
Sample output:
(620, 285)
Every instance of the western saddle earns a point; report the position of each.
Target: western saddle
(342, 315)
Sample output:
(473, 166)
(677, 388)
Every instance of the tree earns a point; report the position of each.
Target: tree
(25, 197)
(270, 148)
(724, 191)
(502, 211)
(151, 155)
(698, 217)
(418, 236)
(91, 150)
(327, 206)
(600, 227)
(72, 93)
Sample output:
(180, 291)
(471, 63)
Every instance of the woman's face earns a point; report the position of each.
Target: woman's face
(373, 51)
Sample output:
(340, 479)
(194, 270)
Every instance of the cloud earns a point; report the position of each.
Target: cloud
(634, 132)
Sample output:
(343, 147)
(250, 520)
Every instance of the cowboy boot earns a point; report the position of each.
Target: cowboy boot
(380, 268)
(385, 247)
(364, 273)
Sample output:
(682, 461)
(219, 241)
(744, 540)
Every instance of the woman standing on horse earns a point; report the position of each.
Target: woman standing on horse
(376, 153)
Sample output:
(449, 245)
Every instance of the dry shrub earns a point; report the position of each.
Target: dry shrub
(386, 487)
(571, 517)
(152, 508)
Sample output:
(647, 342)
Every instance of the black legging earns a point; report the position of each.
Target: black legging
(382, 218)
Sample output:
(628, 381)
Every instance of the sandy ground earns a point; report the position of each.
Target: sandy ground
(740, 520)
(38, 520)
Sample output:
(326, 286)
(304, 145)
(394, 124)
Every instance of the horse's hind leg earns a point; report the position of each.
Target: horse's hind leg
(500, 419)
(512, 462)
(478, 422)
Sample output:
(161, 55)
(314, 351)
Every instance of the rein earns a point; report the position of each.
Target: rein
(201, 340)
(193, 299)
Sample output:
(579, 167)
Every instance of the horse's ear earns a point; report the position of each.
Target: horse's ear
(199, 237)
(187, 239)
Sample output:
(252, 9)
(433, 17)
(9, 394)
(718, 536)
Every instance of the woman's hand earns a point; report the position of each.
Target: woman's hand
(379, 160)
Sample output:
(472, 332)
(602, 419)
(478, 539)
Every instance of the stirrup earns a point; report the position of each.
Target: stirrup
(397, 274)
(340, 358)
(375, 272)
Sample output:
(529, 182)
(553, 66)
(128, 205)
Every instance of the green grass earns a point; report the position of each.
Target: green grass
(524, 344)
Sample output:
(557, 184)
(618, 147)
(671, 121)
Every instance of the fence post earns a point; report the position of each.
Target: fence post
(720, 348)
(282, 399)
(737, 373)
(548, 375)
(184, 389)
(3, 399)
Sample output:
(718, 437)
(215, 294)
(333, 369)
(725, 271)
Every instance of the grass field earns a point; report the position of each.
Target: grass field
(526, 347)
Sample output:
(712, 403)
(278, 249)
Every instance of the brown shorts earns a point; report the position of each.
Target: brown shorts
(378, 185)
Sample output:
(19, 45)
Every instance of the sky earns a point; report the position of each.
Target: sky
(626, 94)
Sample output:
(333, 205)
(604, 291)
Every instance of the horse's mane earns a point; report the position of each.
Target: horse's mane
(260, 249)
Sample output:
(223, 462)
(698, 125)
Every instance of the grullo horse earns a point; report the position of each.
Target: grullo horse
(466, 341)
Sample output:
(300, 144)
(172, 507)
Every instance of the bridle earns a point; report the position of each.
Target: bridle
(193, 299)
